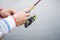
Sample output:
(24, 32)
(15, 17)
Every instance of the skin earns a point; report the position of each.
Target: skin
(20, 17)
(6, 12)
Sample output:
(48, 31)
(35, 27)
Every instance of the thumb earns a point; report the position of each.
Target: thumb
(27, 14)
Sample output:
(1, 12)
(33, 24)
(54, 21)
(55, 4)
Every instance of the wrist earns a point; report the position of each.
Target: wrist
(14, 19)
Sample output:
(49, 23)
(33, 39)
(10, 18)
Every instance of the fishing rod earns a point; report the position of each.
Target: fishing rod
(31, 19)
(32, 7)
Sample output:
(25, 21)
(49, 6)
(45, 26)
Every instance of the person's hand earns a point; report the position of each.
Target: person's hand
(21, 18)
(6, 12)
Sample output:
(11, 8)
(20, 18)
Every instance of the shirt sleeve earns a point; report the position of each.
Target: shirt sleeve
(6, 24)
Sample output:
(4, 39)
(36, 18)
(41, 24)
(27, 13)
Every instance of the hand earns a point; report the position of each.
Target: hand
(6, 12)
(21, 18)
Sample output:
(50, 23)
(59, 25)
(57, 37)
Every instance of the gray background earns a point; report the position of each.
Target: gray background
(46, 26)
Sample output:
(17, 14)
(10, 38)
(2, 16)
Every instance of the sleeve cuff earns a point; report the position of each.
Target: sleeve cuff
(11, 22)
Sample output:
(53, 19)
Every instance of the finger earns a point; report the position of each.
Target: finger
(27, 14)
(1, 9)
(20, 23)
(12, 11)
(26, 18)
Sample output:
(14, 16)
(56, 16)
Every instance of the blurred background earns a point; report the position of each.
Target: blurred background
(46, 26)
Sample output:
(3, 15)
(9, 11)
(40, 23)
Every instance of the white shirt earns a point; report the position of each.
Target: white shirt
(6, 24)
